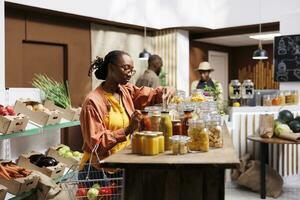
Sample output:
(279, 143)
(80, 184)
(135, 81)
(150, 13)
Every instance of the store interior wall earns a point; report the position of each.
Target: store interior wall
(199, 53)
(2, 54)
(289, 25)
(53, 45)
(107, 38)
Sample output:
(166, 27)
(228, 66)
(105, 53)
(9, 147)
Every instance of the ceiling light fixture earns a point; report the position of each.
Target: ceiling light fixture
(260, 53)
(144, 55)
(265, 37)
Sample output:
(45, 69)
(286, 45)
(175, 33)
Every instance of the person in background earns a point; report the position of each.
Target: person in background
(150, 77)
(206, 83)
(109, 114)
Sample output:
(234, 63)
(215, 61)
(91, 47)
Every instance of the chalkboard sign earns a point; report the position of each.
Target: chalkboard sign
(287, 58)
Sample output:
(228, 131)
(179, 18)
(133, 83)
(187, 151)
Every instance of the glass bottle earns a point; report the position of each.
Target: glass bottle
(188, 114)
(145, 124)
(166, 127)
(176, 127)
(155, 120)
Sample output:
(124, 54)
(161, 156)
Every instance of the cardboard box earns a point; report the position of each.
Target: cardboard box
(39, 117)
(3, 191)
(10, 124)
(52, 152)
(20, 185)
(53, 172)
(71, 114)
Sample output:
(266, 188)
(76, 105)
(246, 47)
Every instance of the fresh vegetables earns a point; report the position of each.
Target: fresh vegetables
(295, 126)
(66, 152)
(92, 194)
(8, 110)
(81, 192)
(54, 91)
(41, 160)
(35, 106)
(297, 118)
(282, 128)
(285, 116)
(10, 171)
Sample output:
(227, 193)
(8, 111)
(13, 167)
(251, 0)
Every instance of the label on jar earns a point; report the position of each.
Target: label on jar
(249, 90)
(236, 90)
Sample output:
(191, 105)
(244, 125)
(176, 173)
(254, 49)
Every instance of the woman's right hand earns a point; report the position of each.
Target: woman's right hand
(135, 119)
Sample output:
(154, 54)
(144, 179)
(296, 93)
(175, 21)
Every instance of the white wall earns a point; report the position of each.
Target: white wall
(289, 24)
(183, 61)
(2, 54)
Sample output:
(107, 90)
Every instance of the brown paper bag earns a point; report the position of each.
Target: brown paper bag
(266, 125)
(251, 179)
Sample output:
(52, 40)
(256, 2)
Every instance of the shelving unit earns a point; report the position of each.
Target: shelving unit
(32, 129)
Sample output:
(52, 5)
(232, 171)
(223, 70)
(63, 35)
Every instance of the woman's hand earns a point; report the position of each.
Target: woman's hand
(169, 93)
(135, 119)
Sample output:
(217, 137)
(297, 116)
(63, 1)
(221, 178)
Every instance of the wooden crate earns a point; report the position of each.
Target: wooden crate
(39, 117)
(10, 124)
(71, 114)
(52, 171)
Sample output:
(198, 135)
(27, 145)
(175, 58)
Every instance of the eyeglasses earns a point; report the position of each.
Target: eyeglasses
(128, 69)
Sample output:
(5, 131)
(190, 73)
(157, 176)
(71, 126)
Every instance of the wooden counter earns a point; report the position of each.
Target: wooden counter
(177, 177)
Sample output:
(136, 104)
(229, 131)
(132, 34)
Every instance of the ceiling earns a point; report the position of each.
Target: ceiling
(234, 40)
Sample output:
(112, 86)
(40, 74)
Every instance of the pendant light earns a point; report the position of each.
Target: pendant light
(144, 55)
(260, 53)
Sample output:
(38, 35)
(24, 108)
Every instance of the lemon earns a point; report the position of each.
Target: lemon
(236, 104)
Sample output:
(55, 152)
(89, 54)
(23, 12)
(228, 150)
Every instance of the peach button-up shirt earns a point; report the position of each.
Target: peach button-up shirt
(96, 108)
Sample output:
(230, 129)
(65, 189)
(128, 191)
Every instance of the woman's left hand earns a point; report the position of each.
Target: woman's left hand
(169, 93)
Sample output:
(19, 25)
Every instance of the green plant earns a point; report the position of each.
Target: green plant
(162, 78)
(54, 91)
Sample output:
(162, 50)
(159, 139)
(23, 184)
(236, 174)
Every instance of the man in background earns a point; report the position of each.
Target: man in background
(150, 77)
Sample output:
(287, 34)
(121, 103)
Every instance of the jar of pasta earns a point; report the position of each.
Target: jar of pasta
(295, 96)
(215, 132)
(267, 100)
(281, 97)
(199, 135)
(289, 98)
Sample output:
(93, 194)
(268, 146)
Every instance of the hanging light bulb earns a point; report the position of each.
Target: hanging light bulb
(260, 53)
(144, 55)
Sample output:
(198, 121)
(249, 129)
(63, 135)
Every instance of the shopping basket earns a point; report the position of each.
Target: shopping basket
(93, 184)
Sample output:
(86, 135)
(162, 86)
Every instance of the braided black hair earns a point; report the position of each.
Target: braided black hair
(100, 65)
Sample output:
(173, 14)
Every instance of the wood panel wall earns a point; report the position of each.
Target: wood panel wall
(50, 44)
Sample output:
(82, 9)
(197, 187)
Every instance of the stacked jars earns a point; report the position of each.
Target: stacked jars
(147, 143)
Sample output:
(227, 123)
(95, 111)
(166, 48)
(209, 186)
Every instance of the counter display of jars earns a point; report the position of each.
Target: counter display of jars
(202, 132)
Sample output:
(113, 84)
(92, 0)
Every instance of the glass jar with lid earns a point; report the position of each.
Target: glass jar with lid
(281, 97)
(176, 127)
(289, 98)
(179, 97)
(275, 100)
(247, 89)
(155, 120)
(235, 89)
(137, 142)
(267, 100)
(150, 144)
(199, 135)
(188, 114)
(215, 129)
(165, 127)
(295, 95)
(145, 124)
(179, 144)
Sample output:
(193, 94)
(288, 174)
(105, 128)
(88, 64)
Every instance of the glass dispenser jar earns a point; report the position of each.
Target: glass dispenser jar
(247, 89)
(235, 89)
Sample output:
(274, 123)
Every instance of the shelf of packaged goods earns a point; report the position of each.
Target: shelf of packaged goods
(32, 129)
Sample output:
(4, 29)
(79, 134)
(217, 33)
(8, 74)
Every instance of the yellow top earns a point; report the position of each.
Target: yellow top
(116, 119)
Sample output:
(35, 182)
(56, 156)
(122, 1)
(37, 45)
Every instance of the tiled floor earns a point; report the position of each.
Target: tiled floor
(291, 191)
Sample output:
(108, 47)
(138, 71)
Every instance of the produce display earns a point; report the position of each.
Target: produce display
(35, 106)
(66, 152)
(286, 123)
(97, 191)
(41, 160)
(197, 97)
(54, 91)
(8, 110)
(10, 171)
